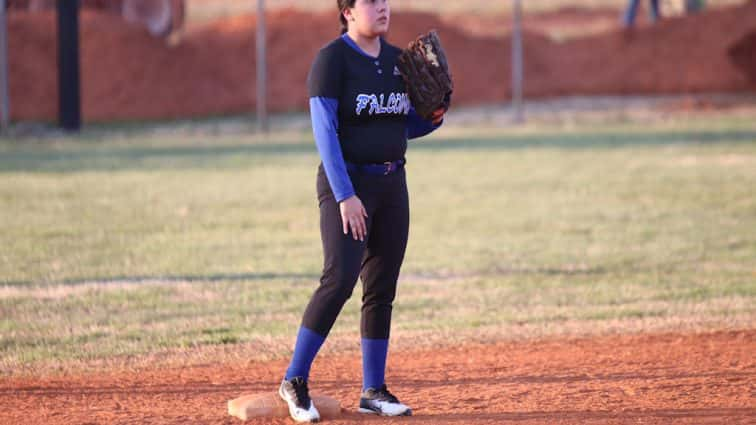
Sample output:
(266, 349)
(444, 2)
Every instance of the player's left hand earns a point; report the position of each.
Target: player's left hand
(438, 116)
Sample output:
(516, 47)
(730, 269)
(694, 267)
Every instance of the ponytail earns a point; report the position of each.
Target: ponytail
(343, 5)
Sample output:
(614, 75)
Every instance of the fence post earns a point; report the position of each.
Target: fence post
(517, 62)
(69, 92)
(4, 87)
(262, 97)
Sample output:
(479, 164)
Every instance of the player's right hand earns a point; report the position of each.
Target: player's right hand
(353, 217)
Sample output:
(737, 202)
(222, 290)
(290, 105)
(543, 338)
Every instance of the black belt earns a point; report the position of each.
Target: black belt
(385, 168)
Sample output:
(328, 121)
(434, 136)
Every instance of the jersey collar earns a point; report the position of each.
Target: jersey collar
(348, 40)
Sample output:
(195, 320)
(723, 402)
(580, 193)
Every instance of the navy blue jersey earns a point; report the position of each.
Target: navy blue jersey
(373, 101)
(361, 112)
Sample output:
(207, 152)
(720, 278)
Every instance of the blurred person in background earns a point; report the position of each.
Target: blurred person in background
(628, 19)
(694, 6)
(362, 118)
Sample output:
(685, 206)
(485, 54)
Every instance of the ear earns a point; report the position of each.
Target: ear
(348, 14)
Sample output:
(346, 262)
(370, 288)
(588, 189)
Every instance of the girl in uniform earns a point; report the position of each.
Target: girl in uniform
(361, 119)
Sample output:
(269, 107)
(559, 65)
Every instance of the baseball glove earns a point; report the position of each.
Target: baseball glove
(426, 72)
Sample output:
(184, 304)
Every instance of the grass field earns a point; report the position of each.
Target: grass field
(127, 245)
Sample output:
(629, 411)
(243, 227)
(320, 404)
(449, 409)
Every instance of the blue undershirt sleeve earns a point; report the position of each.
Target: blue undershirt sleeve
(325, 126)
(417, 126)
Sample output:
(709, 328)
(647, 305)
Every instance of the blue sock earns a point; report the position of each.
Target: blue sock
(374, 352)
(305, 350)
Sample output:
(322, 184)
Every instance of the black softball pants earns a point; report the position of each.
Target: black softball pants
(376, 260)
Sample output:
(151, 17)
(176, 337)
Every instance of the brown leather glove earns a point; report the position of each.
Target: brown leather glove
(426, 72)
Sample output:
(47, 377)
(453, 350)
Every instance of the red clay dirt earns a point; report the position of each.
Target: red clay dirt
(129, 75)
(565, 22)
(743, 54)
(694, 378)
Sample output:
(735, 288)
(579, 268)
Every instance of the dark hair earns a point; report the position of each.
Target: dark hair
(342, 5)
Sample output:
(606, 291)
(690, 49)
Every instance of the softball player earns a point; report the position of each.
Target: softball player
(361, 118)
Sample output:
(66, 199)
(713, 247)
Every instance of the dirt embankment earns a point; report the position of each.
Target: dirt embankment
(743, 54)
(129, 75)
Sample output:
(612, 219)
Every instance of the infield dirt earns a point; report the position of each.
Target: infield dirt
(693, 378)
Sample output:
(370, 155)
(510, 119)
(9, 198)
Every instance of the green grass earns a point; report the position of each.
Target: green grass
(121, 246)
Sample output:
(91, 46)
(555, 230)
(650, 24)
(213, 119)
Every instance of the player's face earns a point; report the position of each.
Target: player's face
(371, 17)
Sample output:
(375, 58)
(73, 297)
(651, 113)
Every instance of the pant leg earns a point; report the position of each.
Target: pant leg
(628, 19)
(654, 10)
(384, 256)
(342, 257)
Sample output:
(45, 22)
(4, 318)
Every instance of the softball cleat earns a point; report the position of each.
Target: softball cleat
(296, 395)
(382, 402)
